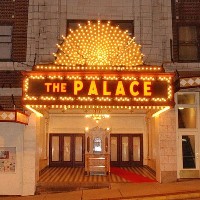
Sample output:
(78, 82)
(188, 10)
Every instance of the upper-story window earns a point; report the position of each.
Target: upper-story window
(188, 43)
(123, 24)
(5, 42)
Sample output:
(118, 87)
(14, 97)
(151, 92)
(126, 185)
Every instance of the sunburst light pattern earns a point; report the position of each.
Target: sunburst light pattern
(98, 44)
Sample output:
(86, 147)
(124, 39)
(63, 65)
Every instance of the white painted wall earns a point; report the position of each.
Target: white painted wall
(11, 135)
(76, 123)
(23, 180)
(30, 168)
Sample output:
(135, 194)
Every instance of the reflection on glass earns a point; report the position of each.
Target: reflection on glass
(187, 118)
(78, 148)
(97, 145)
(55, 148)
(136, 148)
(67, 148)
(186, 98)
(125, 152)
(188, 151)
(113, 148)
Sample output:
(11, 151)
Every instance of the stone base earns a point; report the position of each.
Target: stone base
(189, 174)
(168, 176)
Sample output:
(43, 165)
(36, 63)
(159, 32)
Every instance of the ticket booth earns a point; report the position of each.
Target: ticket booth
(97, 151)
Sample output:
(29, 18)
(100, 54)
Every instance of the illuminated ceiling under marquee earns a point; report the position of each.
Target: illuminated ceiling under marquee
(98, 66)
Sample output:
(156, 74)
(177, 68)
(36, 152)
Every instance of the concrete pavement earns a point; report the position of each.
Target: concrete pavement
(141, 191)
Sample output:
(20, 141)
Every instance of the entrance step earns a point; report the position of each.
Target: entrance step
(45, 188)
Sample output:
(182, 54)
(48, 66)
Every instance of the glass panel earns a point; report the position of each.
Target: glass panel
(188, 52)
(187, 118)
(5, 49)
(67, 148)
(187, 33)
(5, 30)
(55, 148)
(5, 39)
(113, 148)
(186, 98)
(78, 148)
(188, 49)
(136, 148)
(125, 152)
(188, 150)
(97, 145)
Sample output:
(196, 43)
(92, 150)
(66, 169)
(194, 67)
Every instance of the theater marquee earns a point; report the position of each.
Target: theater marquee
(98, 66)
(115, 90)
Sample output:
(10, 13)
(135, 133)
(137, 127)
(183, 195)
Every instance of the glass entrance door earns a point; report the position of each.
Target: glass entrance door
(126, 149)
(66, 150)
(187, 116)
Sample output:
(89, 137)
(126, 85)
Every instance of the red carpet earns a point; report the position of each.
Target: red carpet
(130, 176)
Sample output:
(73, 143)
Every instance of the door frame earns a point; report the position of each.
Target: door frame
(187, 172)
(119, 161)
(61, 162)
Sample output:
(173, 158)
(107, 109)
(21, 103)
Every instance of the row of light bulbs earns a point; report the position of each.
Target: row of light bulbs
(56, 67)
(105, 77)
(88, 99)
(95, 107)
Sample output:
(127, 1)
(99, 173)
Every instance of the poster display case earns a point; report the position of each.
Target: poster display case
(7, 159)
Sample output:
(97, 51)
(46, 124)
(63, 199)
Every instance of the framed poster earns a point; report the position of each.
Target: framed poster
(7, 159)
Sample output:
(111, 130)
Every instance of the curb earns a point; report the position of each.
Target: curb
(170, 196)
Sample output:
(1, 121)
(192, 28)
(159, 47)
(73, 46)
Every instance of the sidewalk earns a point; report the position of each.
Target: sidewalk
(142, 191)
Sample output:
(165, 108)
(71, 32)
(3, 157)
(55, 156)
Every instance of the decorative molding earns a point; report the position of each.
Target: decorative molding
(189, 82)
(13, 116)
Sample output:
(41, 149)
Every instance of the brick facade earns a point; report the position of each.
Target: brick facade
(15, 13)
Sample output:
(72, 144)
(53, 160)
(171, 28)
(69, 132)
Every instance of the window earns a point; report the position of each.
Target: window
(123, 24)
(187, 110)
(5, 42)
(188, 43)
(188, 151)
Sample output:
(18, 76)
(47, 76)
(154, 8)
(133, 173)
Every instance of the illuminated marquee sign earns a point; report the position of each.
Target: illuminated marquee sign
(83, 90)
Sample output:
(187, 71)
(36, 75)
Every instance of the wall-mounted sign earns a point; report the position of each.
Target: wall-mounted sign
(96, 89)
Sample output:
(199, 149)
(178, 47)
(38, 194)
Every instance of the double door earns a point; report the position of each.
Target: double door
(69, 150)
(126, 149)
(66, 150)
